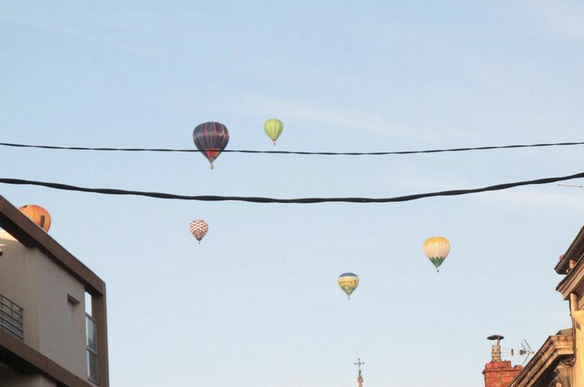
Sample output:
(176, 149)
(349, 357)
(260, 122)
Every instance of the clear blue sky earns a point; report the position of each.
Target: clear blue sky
(257, 304)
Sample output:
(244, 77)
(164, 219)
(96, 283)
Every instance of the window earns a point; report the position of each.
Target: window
(90, 340)
(91, 343)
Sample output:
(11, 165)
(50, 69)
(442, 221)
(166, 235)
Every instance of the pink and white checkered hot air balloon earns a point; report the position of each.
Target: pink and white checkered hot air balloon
(198, 228)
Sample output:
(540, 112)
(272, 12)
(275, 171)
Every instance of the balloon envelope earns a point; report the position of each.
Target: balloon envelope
(198, 228)
(348, 283)
(274, 128)
(38, 215)
(436, 249)
(211, 138)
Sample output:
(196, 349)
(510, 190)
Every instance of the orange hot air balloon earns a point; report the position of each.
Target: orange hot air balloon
(38, 215)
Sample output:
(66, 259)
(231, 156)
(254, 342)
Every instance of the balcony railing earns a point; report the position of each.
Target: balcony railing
(11, 318)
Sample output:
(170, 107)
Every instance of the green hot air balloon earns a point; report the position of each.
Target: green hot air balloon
(274, 128)
(348, 283)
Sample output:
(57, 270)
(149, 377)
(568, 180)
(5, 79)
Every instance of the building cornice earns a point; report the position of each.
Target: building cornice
(556, 349)
(572, 282)
(29, 234)
(574, 253)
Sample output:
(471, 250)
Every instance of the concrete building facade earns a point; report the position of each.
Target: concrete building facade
(49, 337)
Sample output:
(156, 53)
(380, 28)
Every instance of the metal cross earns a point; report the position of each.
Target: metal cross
(359, 363)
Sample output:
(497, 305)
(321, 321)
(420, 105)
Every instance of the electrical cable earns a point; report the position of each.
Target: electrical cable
(314, 200)
(282, 152)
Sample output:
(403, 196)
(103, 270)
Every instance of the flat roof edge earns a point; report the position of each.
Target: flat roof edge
(29, 234)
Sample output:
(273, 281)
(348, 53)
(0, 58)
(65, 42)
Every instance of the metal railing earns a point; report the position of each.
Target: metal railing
(11, 317)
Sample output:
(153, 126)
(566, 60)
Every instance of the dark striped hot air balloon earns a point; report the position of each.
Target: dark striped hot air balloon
(211, 138)
(38, 215)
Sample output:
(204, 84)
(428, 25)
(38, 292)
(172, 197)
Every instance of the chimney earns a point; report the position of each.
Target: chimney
(499, 373)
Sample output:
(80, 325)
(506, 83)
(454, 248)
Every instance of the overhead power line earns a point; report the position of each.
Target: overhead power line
(313, 200)
(284, 152)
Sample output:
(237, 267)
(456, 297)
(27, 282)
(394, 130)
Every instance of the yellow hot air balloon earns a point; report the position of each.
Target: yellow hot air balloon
(38, 215)
(274, 128)
(348, 282)
(436, 249)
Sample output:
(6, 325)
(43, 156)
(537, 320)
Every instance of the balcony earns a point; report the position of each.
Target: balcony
(11, 318)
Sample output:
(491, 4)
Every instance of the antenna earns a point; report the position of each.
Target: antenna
(525, 351)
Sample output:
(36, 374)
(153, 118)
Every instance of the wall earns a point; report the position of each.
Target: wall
(52, 325)
(10, 378)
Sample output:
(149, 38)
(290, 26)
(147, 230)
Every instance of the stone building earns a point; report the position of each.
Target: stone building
(560, 360)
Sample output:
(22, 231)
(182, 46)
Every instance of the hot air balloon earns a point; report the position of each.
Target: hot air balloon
(348, 282)
(211, 138)
(274, 128)
(198, 228)
(38, 215)
(436, 249)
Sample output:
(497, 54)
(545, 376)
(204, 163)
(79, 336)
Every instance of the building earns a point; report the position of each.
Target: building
(560, 360)
(53, 329)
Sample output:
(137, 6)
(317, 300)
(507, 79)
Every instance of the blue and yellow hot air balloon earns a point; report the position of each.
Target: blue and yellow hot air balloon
(348, 283)
(436, 249)
(274, 128)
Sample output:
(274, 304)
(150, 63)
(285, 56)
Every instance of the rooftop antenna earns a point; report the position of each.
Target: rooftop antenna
(359, 364)
(524, 351)
(495, 348)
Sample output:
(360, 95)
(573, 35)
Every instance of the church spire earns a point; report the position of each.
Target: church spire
(359, 364)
